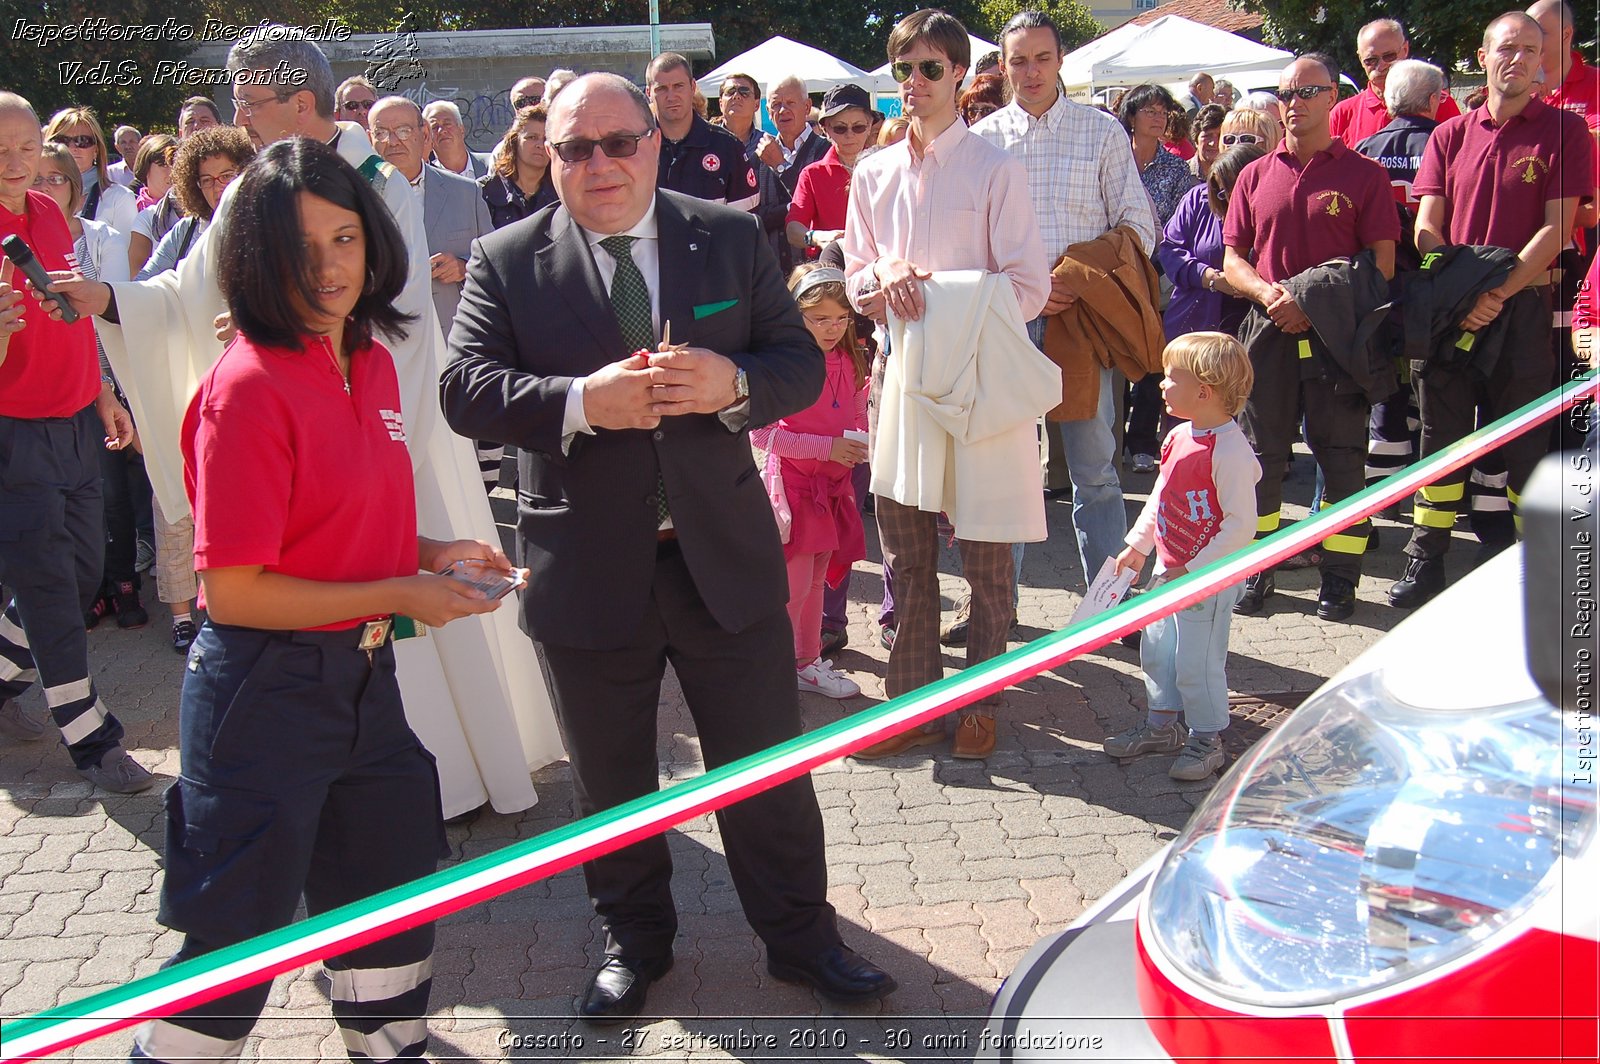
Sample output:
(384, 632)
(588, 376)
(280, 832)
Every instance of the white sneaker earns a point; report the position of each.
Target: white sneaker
(820, 678)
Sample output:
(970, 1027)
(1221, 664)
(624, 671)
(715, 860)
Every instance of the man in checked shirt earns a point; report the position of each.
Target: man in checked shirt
(1084, 183)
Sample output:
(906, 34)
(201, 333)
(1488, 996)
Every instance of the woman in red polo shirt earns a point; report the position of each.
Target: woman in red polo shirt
(300, 775)
(816, 212)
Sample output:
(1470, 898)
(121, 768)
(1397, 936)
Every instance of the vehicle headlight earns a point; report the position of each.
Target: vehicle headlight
(1364, 841)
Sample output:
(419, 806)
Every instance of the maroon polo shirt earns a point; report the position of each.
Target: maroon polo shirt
(822, 194)
(1497, 180)
(51, 369)
(1355, 118)
(1295, 216)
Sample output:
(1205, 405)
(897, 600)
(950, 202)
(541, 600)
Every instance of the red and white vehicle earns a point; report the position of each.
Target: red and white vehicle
(1404, 870)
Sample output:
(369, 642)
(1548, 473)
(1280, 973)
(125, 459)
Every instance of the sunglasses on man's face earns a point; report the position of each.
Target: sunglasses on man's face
(615, 146)
(1230, 139)
(843, 129)
(739, 90)
(352, 106)
(1304, 92)
(82, 140)
(519, 102)
(1373, 62)
(932, 69)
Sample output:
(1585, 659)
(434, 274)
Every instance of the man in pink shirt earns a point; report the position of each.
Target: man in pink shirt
(1379, 46)
(942, 199)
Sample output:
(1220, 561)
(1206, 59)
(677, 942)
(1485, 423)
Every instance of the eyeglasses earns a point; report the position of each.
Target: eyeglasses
(1373, 62)
(932, 69)
(842, 129)
(402, 134)
(615, 146)
(247, 107)
(352, 106)
(826, 323)
(82, 140)
(1230, 139)
(207, 182)
(519, 102)
(1304, 92)
(1153, 111)
(739, 90)
(57, 180)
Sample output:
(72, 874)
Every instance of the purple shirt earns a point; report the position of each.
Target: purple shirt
(1191, 244)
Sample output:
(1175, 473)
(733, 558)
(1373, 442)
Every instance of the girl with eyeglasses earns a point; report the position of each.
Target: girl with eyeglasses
(78, 130)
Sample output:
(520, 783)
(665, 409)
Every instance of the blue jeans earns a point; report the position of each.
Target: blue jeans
(1184, 657)
(1099, 516)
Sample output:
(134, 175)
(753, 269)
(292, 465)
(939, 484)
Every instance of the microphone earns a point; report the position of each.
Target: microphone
(21, 255)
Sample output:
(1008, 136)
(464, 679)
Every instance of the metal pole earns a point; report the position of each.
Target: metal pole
(655, 28)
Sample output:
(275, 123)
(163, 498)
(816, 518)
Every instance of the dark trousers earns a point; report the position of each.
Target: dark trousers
(52, 542)
(740, 690)
(1145, 408)
(1335, 430)
(1455, 402)
(123, 482)
(911, 545)
(300, 777)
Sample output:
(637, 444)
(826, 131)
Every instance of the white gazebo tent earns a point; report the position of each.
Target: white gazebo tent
(780, 57)
(1167, 52)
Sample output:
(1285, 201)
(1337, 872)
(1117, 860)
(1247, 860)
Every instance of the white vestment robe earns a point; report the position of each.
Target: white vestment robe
(473, 690)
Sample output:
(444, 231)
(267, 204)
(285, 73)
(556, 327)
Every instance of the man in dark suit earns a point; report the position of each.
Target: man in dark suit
(646, 529)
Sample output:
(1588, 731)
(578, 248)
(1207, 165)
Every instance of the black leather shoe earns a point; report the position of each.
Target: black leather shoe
(1424, 579)
(620, 987)
(1256, 590)
(840, 974)
(1337, 599)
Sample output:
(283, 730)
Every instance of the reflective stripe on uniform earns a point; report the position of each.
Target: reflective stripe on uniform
(1427, 517)
(164, 1040)
(12, 632)
(1516, 500)
(1437, 493)
(1490, 481)
(378, 984)
(84, 724)
(1268, 522)
(67, 693)
(1344, 543)
(10, 671)
(1400, 447)
(388, 1041)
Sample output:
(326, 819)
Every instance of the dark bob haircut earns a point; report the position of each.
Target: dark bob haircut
(261, 263)
(1139, 97)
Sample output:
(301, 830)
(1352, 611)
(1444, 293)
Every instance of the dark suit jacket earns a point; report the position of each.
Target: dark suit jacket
(811, 151)
(533, 315)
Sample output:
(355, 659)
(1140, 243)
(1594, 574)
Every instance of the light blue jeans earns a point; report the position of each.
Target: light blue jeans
(1184, 656)
(1099, 516)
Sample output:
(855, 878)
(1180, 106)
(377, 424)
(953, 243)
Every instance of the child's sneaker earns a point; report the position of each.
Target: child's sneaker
(1146, 738)
(820, 678)
(1200, 758)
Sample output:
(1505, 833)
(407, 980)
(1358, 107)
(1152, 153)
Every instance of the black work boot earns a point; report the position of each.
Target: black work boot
(1337, 599)
(1256, 590)
(1424, 579)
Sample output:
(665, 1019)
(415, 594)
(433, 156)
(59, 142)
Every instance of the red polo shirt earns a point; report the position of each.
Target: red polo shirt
(286, 471)
(1355, 118)
(51, 369)
(1580, 92)
(1496, 181)
(822, 194)
(1295, 216)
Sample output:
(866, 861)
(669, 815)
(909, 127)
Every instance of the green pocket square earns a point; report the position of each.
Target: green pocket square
(705, 310)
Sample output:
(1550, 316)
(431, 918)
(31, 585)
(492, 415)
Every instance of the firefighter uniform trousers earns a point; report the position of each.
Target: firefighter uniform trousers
(300, 776)
(52, 546)
(1452, 401)
(1288, 375)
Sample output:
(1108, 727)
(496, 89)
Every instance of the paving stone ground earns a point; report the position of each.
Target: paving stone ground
(943, 871)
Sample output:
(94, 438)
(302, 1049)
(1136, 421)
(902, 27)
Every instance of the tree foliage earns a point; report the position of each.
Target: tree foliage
(1077, 23)
(1445, 32)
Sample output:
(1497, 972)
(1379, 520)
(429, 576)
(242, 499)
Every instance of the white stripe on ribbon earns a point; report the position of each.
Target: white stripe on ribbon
(452, 893)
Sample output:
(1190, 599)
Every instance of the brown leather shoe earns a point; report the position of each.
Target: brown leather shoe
(974, 737)
(927, 735)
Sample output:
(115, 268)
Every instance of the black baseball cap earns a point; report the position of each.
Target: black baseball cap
(843, 97)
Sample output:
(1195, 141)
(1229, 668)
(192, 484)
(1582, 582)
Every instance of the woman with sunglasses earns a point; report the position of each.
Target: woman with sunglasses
(78, 130)
(822, 195)
(1243, 128)
(1190, 253)
(158, 207)
(519, 182)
